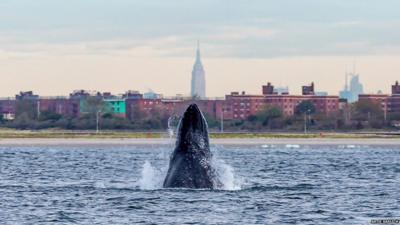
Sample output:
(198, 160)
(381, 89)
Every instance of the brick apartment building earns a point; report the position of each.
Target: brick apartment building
(59, 105)
(240, 106)
(7, 108)
(389, 103)
(235, 106)
(168, 106)
(394, 99)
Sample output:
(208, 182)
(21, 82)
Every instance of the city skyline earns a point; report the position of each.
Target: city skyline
(148, 90)
(54, 47)
(293, 90)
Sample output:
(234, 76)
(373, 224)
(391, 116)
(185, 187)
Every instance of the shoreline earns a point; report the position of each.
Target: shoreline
(64, 137)
(213, 141)
(87, 134)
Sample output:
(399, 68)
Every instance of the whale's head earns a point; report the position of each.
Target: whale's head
(190, 165)
(192, 131)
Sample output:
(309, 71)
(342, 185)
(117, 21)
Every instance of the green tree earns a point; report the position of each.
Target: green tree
(212, 122)
(394, 116)
(92, 108)
(136, 113)
(23, 121)
(367, 111)
(94, 104)
(267, 117)
(27, 108)
(49, 116)
(305, 107)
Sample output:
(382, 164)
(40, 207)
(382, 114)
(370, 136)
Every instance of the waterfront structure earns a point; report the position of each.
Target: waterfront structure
(198, 85)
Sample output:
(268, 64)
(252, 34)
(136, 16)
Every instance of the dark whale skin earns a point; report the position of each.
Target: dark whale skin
(190, 163)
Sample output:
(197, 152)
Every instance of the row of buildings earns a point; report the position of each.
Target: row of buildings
(389, 103)
(235, 106)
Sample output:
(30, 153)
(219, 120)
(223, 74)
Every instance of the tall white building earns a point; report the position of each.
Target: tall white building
(198, 89)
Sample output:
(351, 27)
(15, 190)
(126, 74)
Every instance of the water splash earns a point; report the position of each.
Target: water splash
(151, 177)
(173, 122)
(226, 176)
(292, 146)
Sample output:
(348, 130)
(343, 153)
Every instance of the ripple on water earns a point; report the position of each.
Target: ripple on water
(277, 185)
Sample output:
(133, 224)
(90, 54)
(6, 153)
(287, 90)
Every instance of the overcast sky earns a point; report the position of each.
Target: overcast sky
(56, 46)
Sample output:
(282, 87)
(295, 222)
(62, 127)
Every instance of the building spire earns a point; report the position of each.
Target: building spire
(198, 89)
(198, 59)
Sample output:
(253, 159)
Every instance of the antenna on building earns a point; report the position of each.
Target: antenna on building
(198, 50)
(354, 66)
(346, 79)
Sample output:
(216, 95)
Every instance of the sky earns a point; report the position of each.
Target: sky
(55, 46)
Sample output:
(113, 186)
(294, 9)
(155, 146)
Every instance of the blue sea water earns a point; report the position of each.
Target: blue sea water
(121, 184)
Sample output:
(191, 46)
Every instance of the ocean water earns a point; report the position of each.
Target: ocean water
(268, 184)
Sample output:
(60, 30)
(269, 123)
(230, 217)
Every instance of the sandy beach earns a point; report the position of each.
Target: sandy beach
(218, 141)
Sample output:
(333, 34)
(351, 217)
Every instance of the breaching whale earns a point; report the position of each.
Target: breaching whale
(190, 163)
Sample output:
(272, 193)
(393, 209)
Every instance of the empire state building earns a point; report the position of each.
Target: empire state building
(198, 78)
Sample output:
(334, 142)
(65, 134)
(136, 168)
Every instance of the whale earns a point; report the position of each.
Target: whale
(190, 162)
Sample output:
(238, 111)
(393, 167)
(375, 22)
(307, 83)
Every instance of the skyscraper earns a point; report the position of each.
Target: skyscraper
(198, 78)
(356, 88)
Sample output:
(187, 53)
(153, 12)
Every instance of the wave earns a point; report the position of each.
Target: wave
(297, 187)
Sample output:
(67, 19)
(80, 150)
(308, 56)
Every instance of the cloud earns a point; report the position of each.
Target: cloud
(238, 33)
(262, 29)
(156, 47)
(351, 23)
